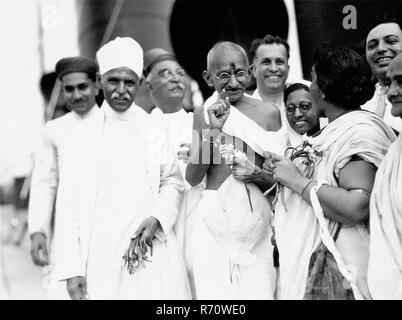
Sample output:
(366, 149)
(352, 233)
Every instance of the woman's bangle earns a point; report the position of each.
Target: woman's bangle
(305, 187)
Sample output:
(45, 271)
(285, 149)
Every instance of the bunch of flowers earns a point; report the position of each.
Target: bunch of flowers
(232, 155)
(137, 254)
(305, 158)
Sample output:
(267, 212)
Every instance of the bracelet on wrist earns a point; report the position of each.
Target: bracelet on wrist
(306, 186)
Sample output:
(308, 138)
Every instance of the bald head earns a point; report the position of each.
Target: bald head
(228, 69)
(224, 51)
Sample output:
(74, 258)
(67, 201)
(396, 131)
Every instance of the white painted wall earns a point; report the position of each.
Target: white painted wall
(23, 58)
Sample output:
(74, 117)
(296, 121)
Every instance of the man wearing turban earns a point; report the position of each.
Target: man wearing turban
(128, 186)
(80, 85)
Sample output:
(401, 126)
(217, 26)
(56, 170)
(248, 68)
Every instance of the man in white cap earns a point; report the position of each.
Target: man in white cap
(128, 187)
(80, 84)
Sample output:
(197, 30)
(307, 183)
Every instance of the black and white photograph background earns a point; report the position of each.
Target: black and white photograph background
(37, 34)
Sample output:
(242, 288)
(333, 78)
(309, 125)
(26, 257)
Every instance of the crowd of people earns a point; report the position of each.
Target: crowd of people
(290, 192)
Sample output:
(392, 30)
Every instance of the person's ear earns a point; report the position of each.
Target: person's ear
(147, 86)
(101, 80)
(253, 70)
(208, 79)
(250, 70)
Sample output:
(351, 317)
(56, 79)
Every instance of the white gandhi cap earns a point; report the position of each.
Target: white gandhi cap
(121, 52)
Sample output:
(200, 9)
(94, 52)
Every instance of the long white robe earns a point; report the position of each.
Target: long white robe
(125, 172)
(50, 176)
(385, 263)
(297, 228)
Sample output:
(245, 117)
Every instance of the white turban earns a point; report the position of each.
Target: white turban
(120, 52)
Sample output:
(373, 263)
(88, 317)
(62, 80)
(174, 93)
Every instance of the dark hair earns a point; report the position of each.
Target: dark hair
(77, 64)
(343, 76)
(292, 88)
(380, 18)
(268, 39)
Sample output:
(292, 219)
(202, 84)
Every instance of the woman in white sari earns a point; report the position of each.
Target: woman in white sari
(328, 183)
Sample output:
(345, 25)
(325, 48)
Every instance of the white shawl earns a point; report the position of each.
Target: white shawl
(385, 263)
(240, 126)
(298, 229)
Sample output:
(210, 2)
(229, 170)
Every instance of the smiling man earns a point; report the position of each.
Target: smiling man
(270, 67)
(127, 184)
(383, 43)
(80, 85)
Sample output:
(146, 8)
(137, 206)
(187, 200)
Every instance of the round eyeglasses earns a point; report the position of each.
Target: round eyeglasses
(224, 77)
(304, 107)
(169, 74)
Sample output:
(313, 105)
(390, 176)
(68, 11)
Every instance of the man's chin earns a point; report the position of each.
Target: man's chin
(81, 110)
(234, 95)
(120, 107)
(396, 110)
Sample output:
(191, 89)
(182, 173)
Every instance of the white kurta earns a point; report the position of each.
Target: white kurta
(380, 105)
(52, 169)
(127, 174)
(179, 127)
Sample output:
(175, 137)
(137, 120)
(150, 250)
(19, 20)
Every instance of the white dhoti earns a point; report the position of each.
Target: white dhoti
(232, 244)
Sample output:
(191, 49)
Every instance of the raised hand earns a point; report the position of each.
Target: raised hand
(218, 112)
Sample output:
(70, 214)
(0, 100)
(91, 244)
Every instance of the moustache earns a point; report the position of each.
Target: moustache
(119, 96)
(178, 86)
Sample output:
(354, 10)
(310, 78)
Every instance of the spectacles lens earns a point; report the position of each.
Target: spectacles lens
(241, 76)
(224, 77)
(305, 107)
(290, 109)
